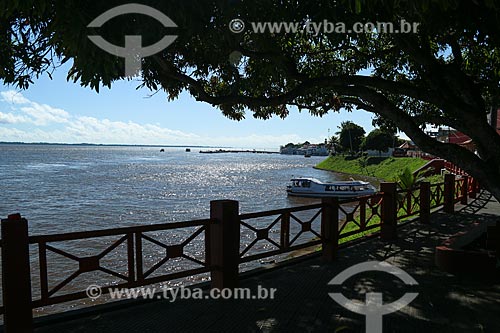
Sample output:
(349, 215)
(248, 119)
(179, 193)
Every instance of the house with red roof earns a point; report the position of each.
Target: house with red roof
(463, 140)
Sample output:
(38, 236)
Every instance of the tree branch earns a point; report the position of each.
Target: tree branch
(456, 51)
(373, 101)
(452, 152)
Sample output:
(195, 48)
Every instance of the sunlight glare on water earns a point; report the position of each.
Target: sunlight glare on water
(63, 189)
(74, 188)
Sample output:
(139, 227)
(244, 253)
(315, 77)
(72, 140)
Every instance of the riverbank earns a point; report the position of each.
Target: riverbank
(383, 168)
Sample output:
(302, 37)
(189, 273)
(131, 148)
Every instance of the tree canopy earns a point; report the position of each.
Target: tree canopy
(334, 144)
(446, 73)
(379, 140)
(350, 136)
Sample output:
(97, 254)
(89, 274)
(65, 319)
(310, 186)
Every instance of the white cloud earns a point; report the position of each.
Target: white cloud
(10, 118)
(89, 129)
(45, 114)
(78, 129)
(254, 140)
(12, 96)
(137, 134)
(32, 112)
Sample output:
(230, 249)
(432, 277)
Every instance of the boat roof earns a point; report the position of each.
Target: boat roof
(338, 183)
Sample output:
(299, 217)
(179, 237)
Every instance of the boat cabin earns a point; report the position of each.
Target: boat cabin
(311, 187)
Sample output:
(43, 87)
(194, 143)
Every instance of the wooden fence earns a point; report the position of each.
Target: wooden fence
(331, 223)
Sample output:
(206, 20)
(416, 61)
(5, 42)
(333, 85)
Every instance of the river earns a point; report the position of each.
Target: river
(64, 188)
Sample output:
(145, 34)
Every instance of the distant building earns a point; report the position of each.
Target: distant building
(289, 150)
(412, 149)
(380, 153)
(461, 139)
(453, 136)
(440, 135)
(306, 149)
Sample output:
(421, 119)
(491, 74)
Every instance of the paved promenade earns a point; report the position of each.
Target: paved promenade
(446, 303)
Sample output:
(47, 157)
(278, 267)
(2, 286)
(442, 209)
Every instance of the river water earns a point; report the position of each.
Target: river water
(78, 188)
(75, 188)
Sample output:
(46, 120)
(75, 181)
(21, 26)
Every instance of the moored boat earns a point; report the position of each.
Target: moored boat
(311, 187)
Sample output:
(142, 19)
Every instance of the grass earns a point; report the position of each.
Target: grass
(386, 168)
(434, 179)
(402, 214)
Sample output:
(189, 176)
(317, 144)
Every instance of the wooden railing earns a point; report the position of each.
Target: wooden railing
(365, 215)
(136, 273)
(329, 224)
(454, 169)
(282, 220)
(436, 195)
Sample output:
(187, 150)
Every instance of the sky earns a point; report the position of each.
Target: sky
(57, 111)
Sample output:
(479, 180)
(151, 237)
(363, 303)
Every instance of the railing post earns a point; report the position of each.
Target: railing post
(449, 193)
(473, 188)
(330, 228)
(16, 275)
(285, 231)
(224, 243)
(465, 190)
(497, 236)
(425, 202)
(362, 213)
(389, 211)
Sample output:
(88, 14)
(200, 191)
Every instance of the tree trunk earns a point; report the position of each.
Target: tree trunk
(485, 170)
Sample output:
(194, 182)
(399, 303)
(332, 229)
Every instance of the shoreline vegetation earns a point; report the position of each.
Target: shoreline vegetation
(382, 168)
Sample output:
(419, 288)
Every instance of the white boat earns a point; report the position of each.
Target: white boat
(311, 187)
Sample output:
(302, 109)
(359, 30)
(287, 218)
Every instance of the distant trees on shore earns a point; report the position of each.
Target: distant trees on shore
(379, 140)
(351, 139)
(350, 136)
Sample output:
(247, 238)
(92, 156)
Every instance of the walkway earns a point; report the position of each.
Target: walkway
(446, 303)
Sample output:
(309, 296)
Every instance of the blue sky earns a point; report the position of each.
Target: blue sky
(58, 111)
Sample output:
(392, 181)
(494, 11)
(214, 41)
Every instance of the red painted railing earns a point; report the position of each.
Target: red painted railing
(329, 224)
(454, 169)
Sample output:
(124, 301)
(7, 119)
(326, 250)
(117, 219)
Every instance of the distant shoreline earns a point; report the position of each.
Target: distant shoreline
(260, 150)
(105, 145)
(221, 151)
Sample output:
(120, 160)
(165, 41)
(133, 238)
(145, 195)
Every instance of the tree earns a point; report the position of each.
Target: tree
(445, 73)
(334, 144)
(379, 140)
(350, 136)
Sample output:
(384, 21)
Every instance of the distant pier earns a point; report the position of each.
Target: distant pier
(222, 151)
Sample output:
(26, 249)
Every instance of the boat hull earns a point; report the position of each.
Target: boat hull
(313, 188)
(329, 195)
